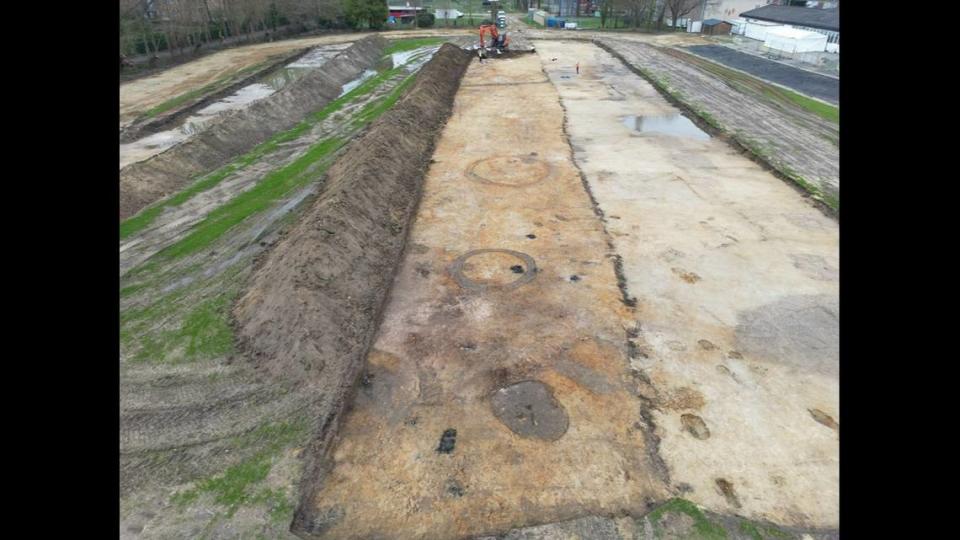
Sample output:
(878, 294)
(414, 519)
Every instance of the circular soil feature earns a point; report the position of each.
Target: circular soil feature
(510, 171)
(529, 409)
(484, 269)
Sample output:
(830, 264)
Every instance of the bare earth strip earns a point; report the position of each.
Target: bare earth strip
(736, 281)
(793, 140)
(521, 352)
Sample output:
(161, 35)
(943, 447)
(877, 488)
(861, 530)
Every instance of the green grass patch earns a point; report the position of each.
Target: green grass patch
(373, 110)
(403, 45)
(236, 486)
(705, 529)
(203, 333)
(273, 186)
(131, 290)
(823, 110)
(751, 530)
(531, 23)
(147, 216)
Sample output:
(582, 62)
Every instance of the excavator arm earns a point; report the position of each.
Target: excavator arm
(492, 30)
(497, 39)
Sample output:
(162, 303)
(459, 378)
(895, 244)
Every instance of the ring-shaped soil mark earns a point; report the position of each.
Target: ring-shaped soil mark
(518, 170)
(529, 265)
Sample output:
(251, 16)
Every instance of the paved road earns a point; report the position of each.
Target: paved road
(811, 84)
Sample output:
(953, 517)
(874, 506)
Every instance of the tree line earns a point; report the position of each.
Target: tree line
(626, 13)
(180, 26)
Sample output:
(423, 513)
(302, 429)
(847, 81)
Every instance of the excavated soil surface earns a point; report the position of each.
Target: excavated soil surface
(313, 304)
(147, 181)
(498, 391)
(791, 139)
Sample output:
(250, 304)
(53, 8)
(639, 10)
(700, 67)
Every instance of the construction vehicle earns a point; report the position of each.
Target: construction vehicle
(498, 40)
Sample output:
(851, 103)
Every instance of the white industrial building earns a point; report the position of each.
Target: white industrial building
(792, 40)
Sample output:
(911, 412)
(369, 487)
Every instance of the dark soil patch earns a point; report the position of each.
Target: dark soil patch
(313, 305)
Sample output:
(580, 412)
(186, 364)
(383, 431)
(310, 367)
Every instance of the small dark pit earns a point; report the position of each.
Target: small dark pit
(574, 278)
(516, 269)
(531, 236)
(455, 488)
(447, 441)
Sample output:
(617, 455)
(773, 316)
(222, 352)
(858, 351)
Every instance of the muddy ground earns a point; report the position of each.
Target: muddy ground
(139, 96)
(210, 446)
(539, 318)
(792, 139)
(736, 282)
(574, 332)
(563, 311)
(237, 132)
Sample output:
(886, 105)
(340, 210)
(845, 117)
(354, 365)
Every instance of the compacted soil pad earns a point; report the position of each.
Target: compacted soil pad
(543, 359)
(530, 300)
(553, 347)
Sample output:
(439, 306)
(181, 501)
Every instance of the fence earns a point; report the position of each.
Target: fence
(822, 59)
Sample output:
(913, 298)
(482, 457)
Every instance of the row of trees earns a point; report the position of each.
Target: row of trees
(177, 26)
(646, 13)
(631, 13)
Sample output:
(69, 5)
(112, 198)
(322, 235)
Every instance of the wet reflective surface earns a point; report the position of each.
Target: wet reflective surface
(674, 124)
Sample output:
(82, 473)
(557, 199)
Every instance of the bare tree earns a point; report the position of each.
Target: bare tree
(180, 24)
(680, 8)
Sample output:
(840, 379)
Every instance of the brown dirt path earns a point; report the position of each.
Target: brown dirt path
(498, 391)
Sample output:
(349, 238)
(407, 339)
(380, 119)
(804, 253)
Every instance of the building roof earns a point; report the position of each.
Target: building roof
(712, 22)
(826, 19)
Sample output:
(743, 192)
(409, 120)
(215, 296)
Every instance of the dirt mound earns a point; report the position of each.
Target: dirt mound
(145, 182)
(313, 305)
(163, 121)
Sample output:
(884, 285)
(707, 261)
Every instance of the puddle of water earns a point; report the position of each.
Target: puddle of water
(318, 56)
(412, 60)
(158, 142)
(151, 145)
(314, 59)
(238, 100)
(674, 124)
(356, 82)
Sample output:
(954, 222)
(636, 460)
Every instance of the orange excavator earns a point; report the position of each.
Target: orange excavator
(498, 41)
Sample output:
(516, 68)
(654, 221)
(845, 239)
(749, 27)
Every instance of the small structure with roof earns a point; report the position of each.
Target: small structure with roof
(716, 27)
(403, 14)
